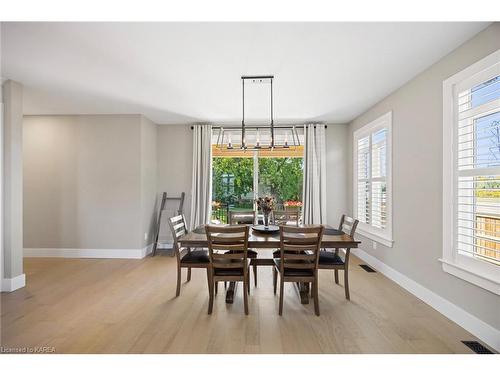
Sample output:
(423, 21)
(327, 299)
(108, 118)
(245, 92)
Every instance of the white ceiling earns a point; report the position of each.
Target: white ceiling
(178, 73)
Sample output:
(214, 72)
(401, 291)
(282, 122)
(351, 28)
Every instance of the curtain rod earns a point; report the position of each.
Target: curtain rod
(235, 127)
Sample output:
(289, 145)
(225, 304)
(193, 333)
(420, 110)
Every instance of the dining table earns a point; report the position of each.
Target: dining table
(257, 240)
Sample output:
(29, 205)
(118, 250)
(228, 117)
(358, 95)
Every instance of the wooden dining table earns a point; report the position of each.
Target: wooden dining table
(332, 238)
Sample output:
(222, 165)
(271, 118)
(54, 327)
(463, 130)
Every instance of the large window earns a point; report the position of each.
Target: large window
(372, 179)
(238, 177)
(281, 178)
(471, 195)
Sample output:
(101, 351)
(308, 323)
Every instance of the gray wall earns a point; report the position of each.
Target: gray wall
(175, 163)
(337, 154)
(83, 182)
(95, 182)
(12, 179)
(175, 166)
(149, 173)
(417, 180)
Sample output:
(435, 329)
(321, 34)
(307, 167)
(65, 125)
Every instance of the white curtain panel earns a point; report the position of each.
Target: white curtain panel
(201, 188)
(314, 208)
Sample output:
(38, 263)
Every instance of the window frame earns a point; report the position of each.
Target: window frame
(382, 236)
(475, 271)
(255, 157)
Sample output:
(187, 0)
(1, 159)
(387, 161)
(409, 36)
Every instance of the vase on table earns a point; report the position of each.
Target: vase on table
(266, 219)
(266, 206)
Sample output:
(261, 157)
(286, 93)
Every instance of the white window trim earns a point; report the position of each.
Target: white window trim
(382, 236)
(475, 271)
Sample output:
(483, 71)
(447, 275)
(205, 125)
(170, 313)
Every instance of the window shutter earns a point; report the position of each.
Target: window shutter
(379, 184)
(372, 179)
(477, 163)
(363, 214)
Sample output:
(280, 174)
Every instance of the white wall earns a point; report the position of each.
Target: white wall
(417, 180)
(83, 182)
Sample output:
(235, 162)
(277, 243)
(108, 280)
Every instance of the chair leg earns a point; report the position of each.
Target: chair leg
(225, 284)
(246, 288)
(346, 284)
(282, 291)
(178, 289)
(315, 296)
(275, 279)
(248, 282)
(208, 279)
(189, 274)
(210, 293)
(216, 287)
(336, 276)
(255, 274)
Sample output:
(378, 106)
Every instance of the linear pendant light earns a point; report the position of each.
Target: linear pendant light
(260, 130)
(256, 79)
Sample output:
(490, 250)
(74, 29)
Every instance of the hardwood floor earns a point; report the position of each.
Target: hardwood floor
(129, 306)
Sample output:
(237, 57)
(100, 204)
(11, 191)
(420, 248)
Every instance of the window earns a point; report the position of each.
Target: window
(471, 174)
(372, 179)
(240, 176)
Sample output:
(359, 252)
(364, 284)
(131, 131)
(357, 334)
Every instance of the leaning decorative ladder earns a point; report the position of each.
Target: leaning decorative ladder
(164, 200)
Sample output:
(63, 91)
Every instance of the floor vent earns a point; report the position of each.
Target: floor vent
(477, 347)
(367, 268)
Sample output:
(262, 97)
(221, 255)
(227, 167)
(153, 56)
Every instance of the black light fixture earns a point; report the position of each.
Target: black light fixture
(256, 79)
(224, 139)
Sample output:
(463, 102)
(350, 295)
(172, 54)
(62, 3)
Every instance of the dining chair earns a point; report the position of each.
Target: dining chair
(246, 217)
(284, 217)
(298, 261)
(333, 260)
(191, 259)
(241, 217)
(227, 247)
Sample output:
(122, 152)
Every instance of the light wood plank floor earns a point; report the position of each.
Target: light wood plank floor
(128, 306)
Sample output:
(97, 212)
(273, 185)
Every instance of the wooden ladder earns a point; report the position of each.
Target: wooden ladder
(164, 199)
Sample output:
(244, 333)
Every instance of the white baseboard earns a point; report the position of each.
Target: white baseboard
(9, 285)
(480, 329)
(87, 253)
(147, 250)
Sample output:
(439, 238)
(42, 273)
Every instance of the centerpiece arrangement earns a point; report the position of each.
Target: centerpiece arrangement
(266, 205)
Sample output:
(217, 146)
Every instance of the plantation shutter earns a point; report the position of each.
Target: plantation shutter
(477, 167)
(363, 191)
(372, 179)
(379, 177)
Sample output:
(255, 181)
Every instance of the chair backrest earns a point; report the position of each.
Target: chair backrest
(299, 246)
(348, 225)
(227, 245)
(178, 228)
(241, 217)
(288, 217)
